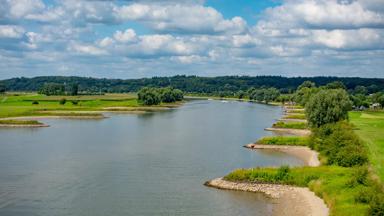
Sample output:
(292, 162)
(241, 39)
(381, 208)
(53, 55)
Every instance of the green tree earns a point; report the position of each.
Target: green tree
(328, 106)
(307, 84)
(52, 89)
(74, 89)
(2, 88)
(149, 96)
(335, 85)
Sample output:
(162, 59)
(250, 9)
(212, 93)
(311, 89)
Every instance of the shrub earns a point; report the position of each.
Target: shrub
(339, 144)
(74, 102)
(282, 173)
(63, 101)
(35, 102)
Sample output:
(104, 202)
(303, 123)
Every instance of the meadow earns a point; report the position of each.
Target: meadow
(370, 128)
(32, 104)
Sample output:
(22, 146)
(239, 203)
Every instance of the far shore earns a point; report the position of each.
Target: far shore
(290, 200)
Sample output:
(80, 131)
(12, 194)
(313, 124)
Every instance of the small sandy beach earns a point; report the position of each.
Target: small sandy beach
(304, 153)
(297, 132)
(288, 200)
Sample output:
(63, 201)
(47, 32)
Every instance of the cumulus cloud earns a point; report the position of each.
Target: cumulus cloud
(11, 31)
(294, 36)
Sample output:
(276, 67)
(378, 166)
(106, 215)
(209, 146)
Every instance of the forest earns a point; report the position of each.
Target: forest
(223, 86)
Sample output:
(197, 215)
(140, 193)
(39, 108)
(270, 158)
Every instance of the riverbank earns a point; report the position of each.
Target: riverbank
(297, 132)
(304, 153)
(289, 200)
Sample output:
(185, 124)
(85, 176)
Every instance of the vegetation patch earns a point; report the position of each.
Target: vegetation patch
(20, 122)
(290, 125)
(284, 140)
(295, 116)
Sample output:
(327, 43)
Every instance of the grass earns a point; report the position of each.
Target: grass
(295, 111)
(20, 104)
(283, 140)
(20, 122)
(295, 116)
(370, 128)
(290, 125)
(334, 184)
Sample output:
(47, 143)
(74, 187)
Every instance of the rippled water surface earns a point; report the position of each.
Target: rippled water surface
(151, 164)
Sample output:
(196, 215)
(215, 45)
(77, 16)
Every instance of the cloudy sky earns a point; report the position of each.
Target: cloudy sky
(145, 38)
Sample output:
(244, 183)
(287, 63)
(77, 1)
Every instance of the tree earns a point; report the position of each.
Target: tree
(360, 90)
(52, 89)
(335, 85)
(328, 106)
(149, 96)
(74, 89)
(2, 88)
(307, 84)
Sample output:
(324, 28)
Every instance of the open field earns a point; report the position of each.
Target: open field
(370, 127)
(31, 104)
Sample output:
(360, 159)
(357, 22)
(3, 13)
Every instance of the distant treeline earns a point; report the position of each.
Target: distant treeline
(190, 84)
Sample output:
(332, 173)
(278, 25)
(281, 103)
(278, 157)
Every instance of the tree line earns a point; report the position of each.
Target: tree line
(217, 86)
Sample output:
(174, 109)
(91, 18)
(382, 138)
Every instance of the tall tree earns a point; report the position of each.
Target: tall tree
(328, 106)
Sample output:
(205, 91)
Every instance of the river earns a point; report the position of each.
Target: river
(128, 164)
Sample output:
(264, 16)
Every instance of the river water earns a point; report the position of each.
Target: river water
(147, 164)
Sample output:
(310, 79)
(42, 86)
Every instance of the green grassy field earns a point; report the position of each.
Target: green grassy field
(21, 104)
(370, 127)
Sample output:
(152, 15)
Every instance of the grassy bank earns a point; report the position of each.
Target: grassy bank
(295, 116)
(20, 122)
(30, 104)
(281, 140)
(290, 125)
(343, 189)
(370, 128)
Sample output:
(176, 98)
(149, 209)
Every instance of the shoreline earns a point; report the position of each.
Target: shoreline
(304, 153)
(298, 132)
(301, 201)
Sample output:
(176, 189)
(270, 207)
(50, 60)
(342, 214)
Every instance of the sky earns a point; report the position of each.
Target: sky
(146, 38)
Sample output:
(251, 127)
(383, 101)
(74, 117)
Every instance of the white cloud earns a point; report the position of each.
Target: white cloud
(128, 35)
(86, 49)
(11, 31)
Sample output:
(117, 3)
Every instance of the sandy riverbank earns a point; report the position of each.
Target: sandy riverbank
(297, 132)
(289, 200)
(304, 153)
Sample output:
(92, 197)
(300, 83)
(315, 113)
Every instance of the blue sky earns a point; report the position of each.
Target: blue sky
(145, 38)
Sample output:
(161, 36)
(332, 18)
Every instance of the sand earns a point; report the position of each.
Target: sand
(304, 153)
(297, 132)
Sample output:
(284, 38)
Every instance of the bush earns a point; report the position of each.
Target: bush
(63, 101)
(339, 144)
(35, 102)
(282, 173)
(154, 96)
(74, 102)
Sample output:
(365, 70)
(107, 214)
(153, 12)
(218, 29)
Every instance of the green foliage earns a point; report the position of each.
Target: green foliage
(149, 96)
(264, 94)
(74, 89)
(339, 144)
(306, 84)
(284, 140)
(290, 125)
(75, 102)
(295, 116)
(335, 85)
(328, 106)
(62, 101)
(35, 102)
(154, 96)
(2, 88)
(52, 89)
